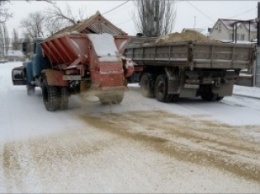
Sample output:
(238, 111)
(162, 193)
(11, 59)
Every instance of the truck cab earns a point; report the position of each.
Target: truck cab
(28, 73)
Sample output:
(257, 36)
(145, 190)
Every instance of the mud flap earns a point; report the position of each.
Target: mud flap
(224, 89)
(55, 78)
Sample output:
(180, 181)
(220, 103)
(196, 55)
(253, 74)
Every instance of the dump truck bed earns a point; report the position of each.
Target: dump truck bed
(194, 55)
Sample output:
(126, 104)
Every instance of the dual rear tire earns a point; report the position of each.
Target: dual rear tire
(147, 85)
(55, 97)
(161, 90)
(157, 88)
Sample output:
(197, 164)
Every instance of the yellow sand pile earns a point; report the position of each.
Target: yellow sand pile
(187, 35)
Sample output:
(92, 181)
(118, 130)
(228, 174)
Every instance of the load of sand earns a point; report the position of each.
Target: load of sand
(187, 35)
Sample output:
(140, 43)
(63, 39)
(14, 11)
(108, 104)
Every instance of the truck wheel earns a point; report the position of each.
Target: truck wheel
(147, 85)
(30, 89)
(161, 89)
(64, 98)
(51, 96)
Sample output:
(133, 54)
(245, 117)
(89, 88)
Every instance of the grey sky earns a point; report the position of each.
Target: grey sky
(201, 14)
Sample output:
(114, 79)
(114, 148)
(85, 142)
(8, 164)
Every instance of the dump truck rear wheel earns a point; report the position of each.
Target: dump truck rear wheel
(147, 85)
(51, 96)
(161, 89)
(64, 98)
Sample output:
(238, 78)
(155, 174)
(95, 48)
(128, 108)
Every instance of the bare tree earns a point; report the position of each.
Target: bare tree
(4, 14)
(34, 24)
(52, 20)
(6, 38)
(52, 25)
(2, 50)
(65, 16)
(58, 14)
(155, 17)
(57, 18)
(16, 42)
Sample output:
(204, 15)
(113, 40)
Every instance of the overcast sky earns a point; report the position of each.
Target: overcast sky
(189, 14)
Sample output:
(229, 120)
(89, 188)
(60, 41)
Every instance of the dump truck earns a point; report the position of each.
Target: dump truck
(85, 59)
(75, 63)
(187, 69)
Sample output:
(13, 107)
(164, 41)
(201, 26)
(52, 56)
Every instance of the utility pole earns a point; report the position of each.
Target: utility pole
(195, 21)
(257, 65)
(258, 24)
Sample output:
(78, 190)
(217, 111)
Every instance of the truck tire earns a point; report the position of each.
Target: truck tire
(161, 89)
(147, 85)
(64, 98)
(30, 89)
(51, 96)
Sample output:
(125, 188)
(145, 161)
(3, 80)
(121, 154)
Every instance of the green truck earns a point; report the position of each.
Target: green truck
(188, 69)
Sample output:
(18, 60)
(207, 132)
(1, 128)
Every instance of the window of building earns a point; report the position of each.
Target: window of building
(219, 27)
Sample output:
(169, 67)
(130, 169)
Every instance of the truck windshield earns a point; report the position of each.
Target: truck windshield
(104, 46)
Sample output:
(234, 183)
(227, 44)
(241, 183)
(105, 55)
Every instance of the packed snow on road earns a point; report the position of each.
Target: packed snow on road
(141, 145)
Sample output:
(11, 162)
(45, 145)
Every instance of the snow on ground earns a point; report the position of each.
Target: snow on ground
(141, 145)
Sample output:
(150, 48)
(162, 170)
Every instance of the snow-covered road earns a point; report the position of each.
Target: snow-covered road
(141, 145)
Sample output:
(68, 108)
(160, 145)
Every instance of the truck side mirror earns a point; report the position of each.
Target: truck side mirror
(24, 47)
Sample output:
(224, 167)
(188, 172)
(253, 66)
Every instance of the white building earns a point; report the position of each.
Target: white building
(230, 30)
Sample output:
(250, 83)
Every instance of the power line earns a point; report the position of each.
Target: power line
(124, 22)
(242, 13)
(115, 8)
(200, 11)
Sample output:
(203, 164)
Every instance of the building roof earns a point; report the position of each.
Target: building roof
(229, 23)
(95, 24)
